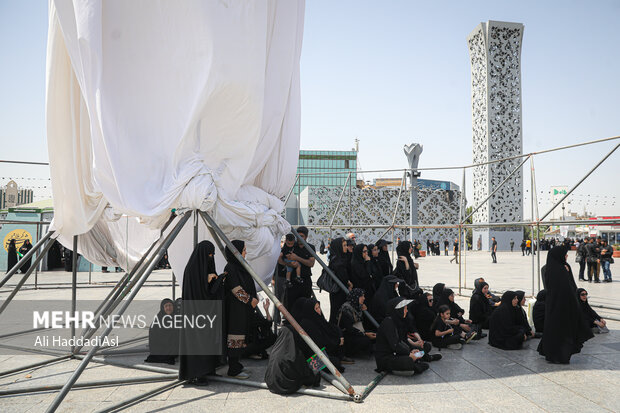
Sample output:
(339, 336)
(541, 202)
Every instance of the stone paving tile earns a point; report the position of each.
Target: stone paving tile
(283, 404)
(385, 403)
(211, 392)
(556, 398)
(500, 399)
(602, 393)
(445, 401)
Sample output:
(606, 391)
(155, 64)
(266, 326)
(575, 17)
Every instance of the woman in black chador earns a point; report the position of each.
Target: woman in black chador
(385, 261)
(27, 246)
(241, 299)
(200, 283)
(405, 269)
(505, 328)
(338, 264)
(565, 331)
(350, 321)
(539, 311)
(480, 308)
(360, 274)
(163, 337)
(590, 317)
(387, 291)
(12, 259)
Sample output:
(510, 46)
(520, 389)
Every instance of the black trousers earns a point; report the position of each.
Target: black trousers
(356, 344)
(444, 342)
(493, 256)
(593, 269)
(401, 363)
(582, 267)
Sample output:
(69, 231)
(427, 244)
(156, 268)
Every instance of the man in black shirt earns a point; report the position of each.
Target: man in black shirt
(306, 260)
(446, 243)
(494, 250)
(455, 247)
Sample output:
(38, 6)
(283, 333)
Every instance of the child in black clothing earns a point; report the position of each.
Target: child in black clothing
(291, 265)
(444, 335)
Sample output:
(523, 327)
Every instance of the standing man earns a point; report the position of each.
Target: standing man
(592, 259)
(523, 248)
(445, 247)
(455, 246)
(582, 253)
(528, 247)
(607, 252)
(306, 260)
(512, 245)
(494, 250)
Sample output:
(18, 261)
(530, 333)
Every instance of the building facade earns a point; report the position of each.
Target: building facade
(11, 196)
(495, 57)
(338, 164)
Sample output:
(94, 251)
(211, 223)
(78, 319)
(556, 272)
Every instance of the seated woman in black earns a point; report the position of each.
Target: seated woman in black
(505, 329)
(406, 269)
(437, 291)
(163, 337)
(387, 291)
(456, 312)
(590, 317)
(260, 334)
(538, 313)
(325, 335)
(339, 264)
(480, 308)
(522, 315)
(445, 335)
(392, 353)
(360, 271)
(356, 339)
(424, 316)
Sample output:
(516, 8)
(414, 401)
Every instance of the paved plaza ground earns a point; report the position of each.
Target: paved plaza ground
(476, 378)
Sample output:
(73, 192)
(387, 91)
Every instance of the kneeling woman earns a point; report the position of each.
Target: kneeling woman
(392, 352)
(505, 328)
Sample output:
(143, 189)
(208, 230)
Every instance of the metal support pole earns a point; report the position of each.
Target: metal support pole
(280, 307)
(174, 286)
(330, 272)
(90, 273)
(331, 222)
(36, 269)
(400, 191)
(350, 216)
(143, 396)
(154, 260)
(96, 384)
(123, 287)
(537, 219)
(373, 384)
(461, 215)
(28, 255)
(195, 229)
(21, 282)
(531, 226)
(74, 260)
(580, 182)
(518, 168)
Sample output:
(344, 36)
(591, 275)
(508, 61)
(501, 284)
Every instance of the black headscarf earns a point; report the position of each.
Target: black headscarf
(455, 309)
(397, 314)
(230, 256)
(316, 326)
(589, 315)
(424, 316)
(437, 291)
(565, 329)
(384, 258)
(196, 291)
(374, 267)
(163, 338)
(352, 307)
(411, 275)
(479, 306)
(359, 270)
(338, 260)
(386, 291)
(538, 314)
(505, 328)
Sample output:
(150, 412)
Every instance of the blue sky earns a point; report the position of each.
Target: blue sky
(395, 72)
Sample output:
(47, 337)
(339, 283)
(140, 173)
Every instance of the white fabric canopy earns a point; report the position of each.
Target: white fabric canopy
(155, 104)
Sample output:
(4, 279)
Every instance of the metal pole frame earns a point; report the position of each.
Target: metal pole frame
(531, 226)
(112, 300)
(580, 182)
(28, 255)
(74, 260)
(537, 218)
(21, 282)
(330, 272)
(518, 168)
(331, 222)
(400, 191)
(150, 266)
(220, 234)
(461, 221)
(36, 270)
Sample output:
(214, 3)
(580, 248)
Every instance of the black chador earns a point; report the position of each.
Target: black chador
(360, 271)
(12, 258)
(27, 246)
(163, 336)
(406, 271)
(200, 283)
(505, 328)
(565, 331)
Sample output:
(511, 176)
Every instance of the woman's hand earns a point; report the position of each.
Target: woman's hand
(211, 277)
(364, 308)
(350, 284)
(450, 331)
(342, 341)
(266, 304)
(254, 302)
(370, 335)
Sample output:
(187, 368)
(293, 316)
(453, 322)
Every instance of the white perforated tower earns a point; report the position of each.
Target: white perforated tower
(495, 57)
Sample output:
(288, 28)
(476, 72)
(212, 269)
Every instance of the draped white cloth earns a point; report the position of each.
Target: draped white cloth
(157, 104)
